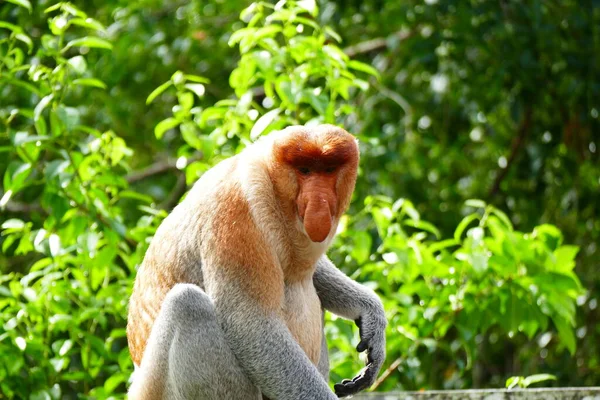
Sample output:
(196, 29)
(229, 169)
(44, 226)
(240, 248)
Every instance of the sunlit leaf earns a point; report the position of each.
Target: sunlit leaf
(89, 41)
(164, 126)
(537, 378)
(11, 27)
(156, 92)
(89, 82)
(466, 221)
(22, 3)
(263, 122)
(197, 88)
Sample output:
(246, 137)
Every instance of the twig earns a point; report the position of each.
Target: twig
(171, 201)
(516, 146)
(376, 44)
(158, 168)
(387, 373)
(395, 97)
(17, 207)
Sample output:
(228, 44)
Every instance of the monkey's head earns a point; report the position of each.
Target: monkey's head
(315, 169)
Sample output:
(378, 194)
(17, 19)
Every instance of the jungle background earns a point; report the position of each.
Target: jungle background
(475, 216)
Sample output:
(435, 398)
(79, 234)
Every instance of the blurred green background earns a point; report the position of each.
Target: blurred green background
(476, 213)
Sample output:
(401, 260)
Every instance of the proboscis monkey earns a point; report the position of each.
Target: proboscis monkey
(228, 303)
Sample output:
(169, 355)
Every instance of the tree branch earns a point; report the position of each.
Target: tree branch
(376, 44)
(516, 147)
(24, 208)
(387, 373)
(158, 168)
(173, 199)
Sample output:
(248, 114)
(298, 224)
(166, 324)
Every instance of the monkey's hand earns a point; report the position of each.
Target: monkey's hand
(372, 339)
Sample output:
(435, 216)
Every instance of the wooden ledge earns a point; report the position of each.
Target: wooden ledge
(580, 393)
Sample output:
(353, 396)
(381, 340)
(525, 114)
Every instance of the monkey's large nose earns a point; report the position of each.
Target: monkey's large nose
(317, 219)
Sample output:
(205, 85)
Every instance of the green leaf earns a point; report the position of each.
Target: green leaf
(74, 11)
(69, 116)
(13, 223)
(513, 381)
(361, 249)
(502, 217)
(64, 349)
(423, 225)
(53, 7)
(208, 146)
(463, 225)
(475, 203)
(40, 395)
(78, 63)
(333, 34)
(438, 246)
(263, 123)
(87, 23)
(190, 134)
(75, 376)
(178, 78)
(22, 3)
(197, 88)
(528, 381)
(164, 126)
(196, 78)
(58, 363)
(5, 197)
(90, 82)
(310, 6)
(156, 92)
(25, 85)
(565, 333)
(565, 257)
(130, 194)
(360, 66)
(11, 27)
(89, 41)
(111, 383)
(54, 244)
(25, 39)
(17, 173)
(186, 101)
(318, 102)
(39, 108)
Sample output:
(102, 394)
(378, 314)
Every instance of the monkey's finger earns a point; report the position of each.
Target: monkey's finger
(344, 390)
(358, 322)
(362, 346)
(362, 381)
(349, 389)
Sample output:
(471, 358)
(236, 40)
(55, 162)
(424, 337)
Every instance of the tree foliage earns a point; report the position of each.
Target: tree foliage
(110, 111)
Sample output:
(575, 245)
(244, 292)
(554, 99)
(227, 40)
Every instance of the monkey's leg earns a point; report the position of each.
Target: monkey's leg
(187, 356)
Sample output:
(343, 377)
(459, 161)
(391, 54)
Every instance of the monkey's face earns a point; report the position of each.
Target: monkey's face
(315, 169)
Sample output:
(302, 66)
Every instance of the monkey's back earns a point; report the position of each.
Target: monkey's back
(174, 256)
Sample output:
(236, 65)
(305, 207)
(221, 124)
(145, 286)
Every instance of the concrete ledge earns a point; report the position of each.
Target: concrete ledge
(583, 393)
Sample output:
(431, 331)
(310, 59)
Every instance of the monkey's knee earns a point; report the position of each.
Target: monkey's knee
(200, 362)
(187, 302)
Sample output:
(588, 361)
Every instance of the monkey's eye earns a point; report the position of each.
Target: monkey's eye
(304, 170)
(330, 170)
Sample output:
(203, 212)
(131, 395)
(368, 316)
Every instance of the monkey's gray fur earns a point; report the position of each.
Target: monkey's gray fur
(189, 342)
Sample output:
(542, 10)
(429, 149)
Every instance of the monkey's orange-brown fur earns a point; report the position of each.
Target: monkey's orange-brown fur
(255, 219)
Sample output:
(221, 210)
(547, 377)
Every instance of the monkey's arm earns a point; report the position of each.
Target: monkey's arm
(346, 298)
(266, 350)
